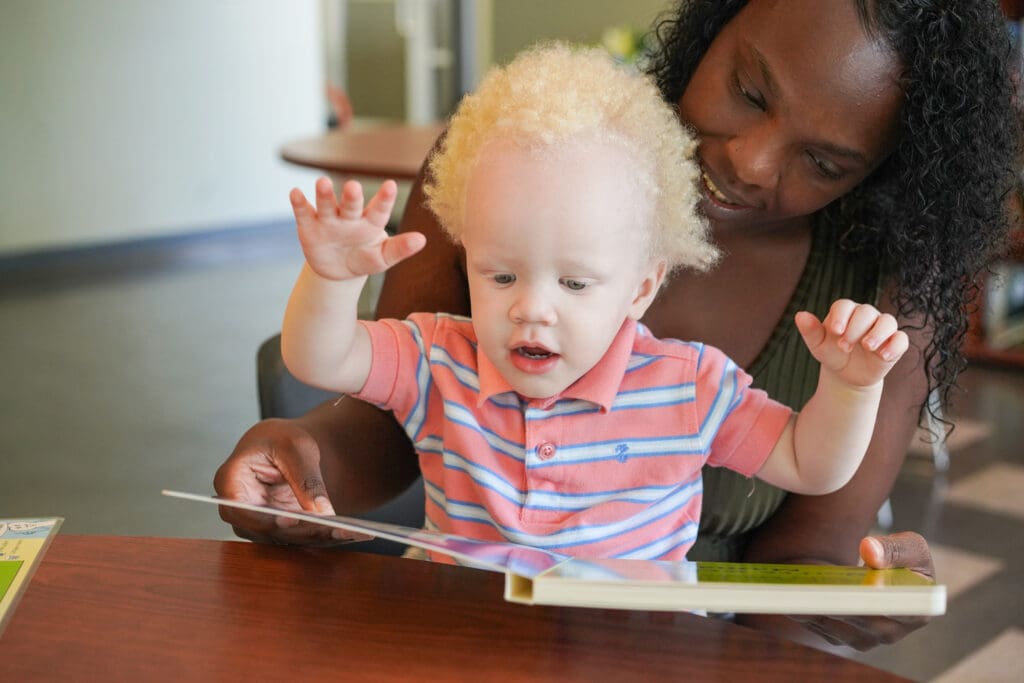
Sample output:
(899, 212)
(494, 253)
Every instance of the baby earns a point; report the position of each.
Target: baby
(552, 418)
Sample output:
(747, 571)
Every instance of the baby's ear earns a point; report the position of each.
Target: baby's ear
(653, 277)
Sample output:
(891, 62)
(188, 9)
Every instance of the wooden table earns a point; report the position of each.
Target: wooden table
(374, 150)
(117, 608)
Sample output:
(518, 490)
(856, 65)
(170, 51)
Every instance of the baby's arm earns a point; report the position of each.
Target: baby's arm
(321, 342)
(822, 446)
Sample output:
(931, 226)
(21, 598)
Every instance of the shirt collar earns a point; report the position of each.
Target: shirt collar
(599, 385)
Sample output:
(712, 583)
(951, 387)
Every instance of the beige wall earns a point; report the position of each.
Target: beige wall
(122, 119)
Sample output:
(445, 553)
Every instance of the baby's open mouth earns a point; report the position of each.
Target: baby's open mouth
(533, 352)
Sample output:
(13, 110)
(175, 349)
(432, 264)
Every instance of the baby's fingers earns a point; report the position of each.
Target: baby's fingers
(849, 321)
(401, 247)
(378, 210)
(304, 212)
(884, 338)
(810, 329)
(326, 202)
(379, 257)
(893, 348)
(824, 338)
(351, 206)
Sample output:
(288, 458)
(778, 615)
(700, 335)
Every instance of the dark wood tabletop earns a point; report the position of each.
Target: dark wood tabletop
(115, 608)
(383, 151)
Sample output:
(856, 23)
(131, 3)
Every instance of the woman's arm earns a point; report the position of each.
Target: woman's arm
(829, 529)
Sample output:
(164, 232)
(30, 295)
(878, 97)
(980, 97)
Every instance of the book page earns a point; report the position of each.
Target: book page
(492, 556)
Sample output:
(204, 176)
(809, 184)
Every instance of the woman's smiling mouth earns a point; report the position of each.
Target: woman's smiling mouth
(719, 198)
(713, 189)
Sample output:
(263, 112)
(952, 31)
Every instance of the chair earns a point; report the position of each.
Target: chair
(281, 395)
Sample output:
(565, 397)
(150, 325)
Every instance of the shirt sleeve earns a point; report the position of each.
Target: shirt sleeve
(399, 378)
(739, 425)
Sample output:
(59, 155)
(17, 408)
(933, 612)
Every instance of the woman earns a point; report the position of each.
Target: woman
(849, 148)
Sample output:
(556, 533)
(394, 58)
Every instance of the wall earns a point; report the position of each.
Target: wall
(122, 119)
(518, 23)
(375, 55)
(374, 50)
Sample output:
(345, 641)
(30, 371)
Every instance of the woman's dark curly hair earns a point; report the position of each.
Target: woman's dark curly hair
(935, 212)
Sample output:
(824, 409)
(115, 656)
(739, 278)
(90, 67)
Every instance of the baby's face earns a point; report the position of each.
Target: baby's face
(556, 257)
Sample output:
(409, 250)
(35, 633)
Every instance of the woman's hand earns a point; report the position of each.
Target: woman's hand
(903, 549)
(277, 463)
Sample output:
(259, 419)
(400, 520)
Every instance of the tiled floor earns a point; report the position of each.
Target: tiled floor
(973, 516)
(121, 382)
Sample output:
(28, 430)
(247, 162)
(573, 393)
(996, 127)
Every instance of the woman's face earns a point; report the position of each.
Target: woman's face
(794, 105)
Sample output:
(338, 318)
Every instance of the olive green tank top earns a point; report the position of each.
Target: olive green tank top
(734, 505)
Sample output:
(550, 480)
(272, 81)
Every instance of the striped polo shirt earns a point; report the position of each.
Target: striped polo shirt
(611, 467)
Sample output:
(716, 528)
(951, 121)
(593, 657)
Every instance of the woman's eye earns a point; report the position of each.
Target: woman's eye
(825, 168)
(574, 285)
(504, 278)
(751, 96)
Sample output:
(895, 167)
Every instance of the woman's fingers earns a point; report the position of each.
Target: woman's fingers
(902, 549)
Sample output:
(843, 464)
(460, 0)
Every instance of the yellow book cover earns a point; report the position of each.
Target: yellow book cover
(22, 545)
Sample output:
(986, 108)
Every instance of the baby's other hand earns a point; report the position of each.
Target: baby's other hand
(855, 341)
(342, 240)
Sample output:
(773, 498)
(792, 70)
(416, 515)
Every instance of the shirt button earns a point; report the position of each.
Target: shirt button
(546, 450)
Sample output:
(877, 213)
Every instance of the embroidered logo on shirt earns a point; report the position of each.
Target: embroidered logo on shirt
(620, 452)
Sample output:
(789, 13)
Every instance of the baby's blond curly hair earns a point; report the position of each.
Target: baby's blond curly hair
(552, 94)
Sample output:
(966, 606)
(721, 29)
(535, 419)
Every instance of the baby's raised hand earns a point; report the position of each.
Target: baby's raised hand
(342, 240)
(855, 341)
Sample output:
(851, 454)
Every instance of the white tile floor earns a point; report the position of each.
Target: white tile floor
(999, 661)
(997, 488)
(961, 570)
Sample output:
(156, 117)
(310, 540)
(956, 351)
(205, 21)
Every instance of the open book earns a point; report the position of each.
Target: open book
(540, 577)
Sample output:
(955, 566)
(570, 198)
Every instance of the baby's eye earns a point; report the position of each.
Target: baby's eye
(575, 285)
(504, 278)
